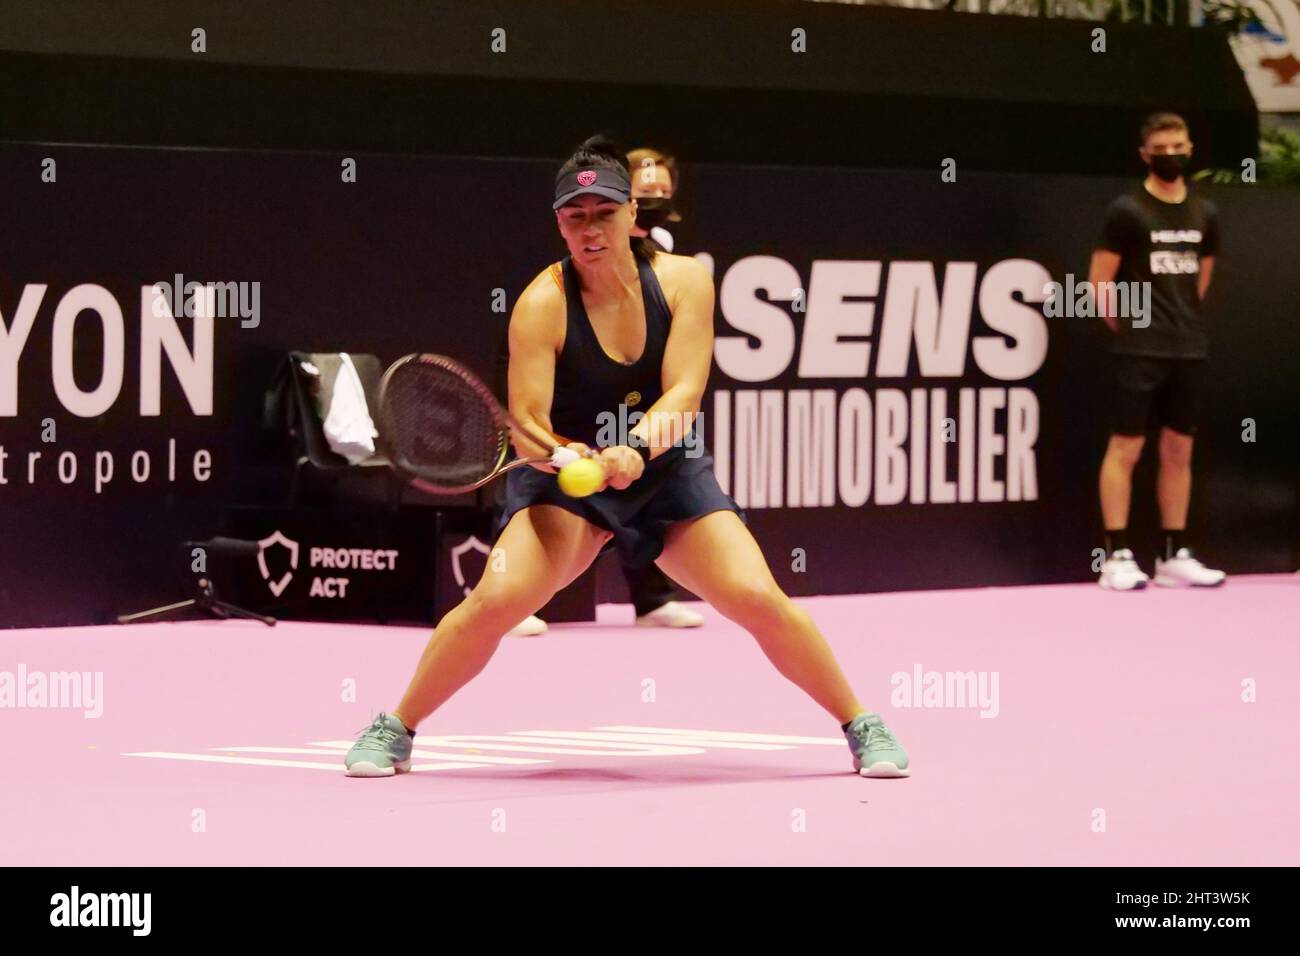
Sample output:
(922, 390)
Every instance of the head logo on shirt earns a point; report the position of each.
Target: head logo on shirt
(1175, 235)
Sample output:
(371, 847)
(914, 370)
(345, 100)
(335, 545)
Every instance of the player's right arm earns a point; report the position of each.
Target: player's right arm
(1120, 232)
(536, 332)
(1103, 269)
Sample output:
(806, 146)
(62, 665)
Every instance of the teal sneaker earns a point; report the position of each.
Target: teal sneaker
(383, 749)
(876, 753)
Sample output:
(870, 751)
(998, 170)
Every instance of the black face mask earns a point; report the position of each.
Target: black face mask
(1169, 166)
(652, 213)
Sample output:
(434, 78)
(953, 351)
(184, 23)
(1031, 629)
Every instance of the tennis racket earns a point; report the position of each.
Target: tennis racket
(444, 431)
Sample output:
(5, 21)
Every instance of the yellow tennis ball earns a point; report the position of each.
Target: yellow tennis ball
(581, 478)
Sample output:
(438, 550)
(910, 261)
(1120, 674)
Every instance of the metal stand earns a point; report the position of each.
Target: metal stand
(206, 600)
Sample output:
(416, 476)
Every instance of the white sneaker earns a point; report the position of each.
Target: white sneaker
(1121, 572)
(1183, 570)
(530, 626)
(672, 614)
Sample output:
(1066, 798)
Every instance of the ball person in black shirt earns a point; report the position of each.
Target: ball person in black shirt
(1150, 271)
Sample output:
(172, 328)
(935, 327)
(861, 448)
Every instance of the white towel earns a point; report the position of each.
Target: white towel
(348, 426)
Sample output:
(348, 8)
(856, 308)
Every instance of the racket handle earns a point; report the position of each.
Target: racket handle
(564, 456)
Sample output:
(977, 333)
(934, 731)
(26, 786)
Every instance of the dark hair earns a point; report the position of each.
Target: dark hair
(1161, 121)
(603, 153)
(639, 155)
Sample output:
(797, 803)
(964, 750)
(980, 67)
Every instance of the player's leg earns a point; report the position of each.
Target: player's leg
(1116, 484)
(541, 550)
(1174, 481)
(1135, 387)
(654, 599)
(1178, 566)
(716, 557)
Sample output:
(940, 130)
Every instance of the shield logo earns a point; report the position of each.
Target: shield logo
(632, 399)
(469, 544)
(586, 177)
(291, 547)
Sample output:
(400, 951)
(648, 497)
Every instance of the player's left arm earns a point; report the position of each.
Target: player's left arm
(1203, 280)
(688, 357)
(1209, 250)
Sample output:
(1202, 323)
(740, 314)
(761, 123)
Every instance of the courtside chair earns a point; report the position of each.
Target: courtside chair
(297, 400)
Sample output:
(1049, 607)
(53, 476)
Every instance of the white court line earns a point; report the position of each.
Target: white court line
(251, 761)
(558, 745)
(688, 739)
(719, 735)
(336, 767)
(625, 741)
(345, 745)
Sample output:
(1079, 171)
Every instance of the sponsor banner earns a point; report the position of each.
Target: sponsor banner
(332, 565)
(410, 566)
(895, 399)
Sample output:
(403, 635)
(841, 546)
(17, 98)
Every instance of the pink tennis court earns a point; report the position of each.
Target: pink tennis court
(1047, 725)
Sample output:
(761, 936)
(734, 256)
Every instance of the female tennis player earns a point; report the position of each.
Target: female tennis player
(613, 329)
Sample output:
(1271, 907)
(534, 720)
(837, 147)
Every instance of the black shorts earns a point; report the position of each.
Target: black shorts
(674, 487)
(1156, 392)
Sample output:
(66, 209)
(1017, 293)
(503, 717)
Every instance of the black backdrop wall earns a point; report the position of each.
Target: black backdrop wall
(917, 291)
(713, 80)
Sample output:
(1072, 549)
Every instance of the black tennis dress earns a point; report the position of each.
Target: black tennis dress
(677, 484)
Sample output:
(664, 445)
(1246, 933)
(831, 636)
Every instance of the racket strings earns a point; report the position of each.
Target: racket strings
(439, 428)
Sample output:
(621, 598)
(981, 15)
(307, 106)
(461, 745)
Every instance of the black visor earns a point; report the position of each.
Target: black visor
(612, 184)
